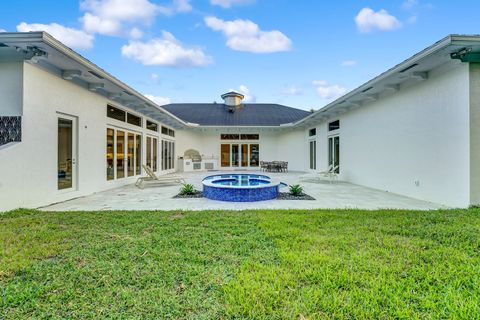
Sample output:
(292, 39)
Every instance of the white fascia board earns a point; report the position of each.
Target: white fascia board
(33, 37)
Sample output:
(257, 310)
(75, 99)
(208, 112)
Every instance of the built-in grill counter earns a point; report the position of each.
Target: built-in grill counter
(193, 161)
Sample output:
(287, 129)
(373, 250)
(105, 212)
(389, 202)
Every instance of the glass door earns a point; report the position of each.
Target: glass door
(254, 155)
(225, 155)
(313, 155)
(235, 155)
(334, 152)
(152, 153)
(66, 153)
(120, 154)
(244, 149)
(123, 154)
(168, 155)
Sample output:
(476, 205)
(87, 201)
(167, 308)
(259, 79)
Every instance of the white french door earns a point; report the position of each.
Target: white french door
(123, 154)
(334, 152)
(312, 154)
(67, 153)
(240, 155)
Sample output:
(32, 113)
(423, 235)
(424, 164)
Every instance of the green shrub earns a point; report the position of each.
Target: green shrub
(296, 190)
(187, 189)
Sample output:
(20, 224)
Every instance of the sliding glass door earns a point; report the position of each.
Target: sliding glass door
(66, 153)
(240, 155)
(123, 154)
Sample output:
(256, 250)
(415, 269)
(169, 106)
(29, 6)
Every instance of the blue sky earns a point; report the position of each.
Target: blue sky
(299, 53)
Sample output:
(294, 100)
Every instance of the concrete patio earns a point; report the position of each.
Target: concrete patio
(337, 195)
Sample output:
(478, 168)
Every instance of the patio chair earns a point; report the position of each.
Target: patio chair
(329, 173)
(154, 180)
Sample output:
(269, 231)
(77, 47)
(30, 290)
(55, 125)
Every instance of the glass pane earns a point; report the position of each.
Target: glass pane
(152, 126)
(225, 155)
(115, 113)
(110, 153)
(149, 152)
(250, 136)
(138, 154)
(254, 155)
(130, 154)
(120, 154)
(65, 149)
(311, 154)
(155, 154)
(314, 155)
(244, 155)
(133, 119)
(162, 155)
(235, 155)
(330, 151)
(336, 143)
(173, 155)
(228, 136)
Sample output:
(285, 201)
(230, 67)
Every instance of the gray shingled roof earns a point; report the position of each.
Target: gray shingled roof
(249, 114)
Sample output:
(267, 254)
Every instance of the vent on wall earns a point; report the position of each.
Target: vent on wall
(10, 129)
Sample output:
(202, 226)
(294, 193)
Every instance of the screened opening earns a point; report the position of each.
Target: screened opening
(312, 132)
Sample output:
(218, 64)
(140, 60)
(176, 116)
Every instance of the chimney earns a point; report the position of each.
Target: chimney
(233, 100)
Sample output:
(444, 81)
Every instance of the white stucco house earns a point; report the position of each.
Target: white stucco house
(69, 128)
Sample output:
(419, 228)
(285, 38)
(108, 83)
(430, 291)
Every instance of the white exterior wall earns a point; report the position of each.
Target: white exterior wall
(420, 133)
(207, 142)
(28, 170)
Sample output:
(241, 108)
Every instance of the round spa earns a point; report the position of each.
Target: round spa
(240, 187)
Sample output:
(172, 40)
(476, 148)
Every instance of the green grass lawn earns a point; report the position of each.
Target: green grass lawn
(318, 264)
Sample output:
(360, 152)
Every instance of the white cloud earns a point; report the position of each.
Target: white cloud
(73, 38)
(122, 18)
(182, 6)
(368, 20)
(248, 96)
(245, 35)
(158, 100)
(348, 63)
(292, 91)
(3, 30)
(328, 91)
(167, 51)
(109, 16)
(229, 3)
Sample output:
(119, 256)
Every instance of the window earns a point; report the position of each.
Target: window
(250, 136)
(312, 132)
(133, 119)
(235, 136)
(334, 125)
(116, 113)
(229, 136)
(152, 126)
(168, 131)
